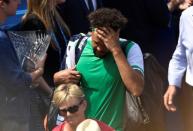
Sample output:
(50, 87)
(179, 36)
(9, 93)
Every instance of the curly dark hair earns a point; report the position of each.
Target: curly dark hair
(105, 17)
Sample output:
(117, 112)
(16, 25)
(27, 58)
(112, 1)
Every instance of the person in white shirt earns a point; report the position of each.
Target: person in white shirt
(182, 60)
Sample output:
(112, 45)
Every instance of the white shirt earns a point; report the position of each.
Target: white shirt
(182, 59)
(94, 4)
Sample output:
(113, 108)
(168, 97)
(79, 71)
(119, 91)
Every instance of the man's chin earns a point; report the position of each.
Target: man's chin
(100, 55)
(70, 121)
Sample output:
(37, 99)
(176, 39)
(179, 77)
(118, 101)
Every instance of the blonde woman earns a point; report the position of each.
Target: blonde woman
(72, 105)
(42, 15)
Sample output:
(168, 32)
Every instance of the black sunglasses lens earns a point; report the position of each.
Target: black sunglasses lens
(73, 109)
(62, 112)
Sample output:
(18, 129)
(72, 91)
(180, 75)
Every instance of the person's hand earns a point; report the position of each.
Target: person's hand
(174, 4)
(39, 70)
(36, 82)
(41, 62)
(185, 4)
(169, 98)
(109, 37)
(67, 76)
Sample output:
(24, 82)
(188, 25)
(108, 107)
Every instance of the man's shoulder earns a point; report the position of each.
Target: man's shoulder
(5, 43)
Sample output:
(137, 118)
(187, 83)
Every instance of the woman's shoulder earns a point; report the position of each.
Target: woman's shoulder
(104, 126)
(59, 127)
(32, 22)
(65, 126)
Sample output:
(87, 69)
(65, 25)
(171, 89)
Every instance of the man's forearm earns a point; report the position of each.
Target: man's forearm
(44, 86)
(132, 79)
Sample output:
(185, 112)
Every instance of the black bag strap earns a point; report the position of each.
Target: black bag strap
(80, 47)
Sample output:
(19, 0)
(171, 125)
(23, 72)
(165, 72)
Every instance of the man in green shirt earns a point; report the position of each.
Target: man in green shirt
(105, 69)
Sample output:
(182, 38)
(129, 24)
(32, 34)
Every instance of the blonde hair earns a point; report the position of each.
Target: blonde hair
(45, 10)
(64, 92)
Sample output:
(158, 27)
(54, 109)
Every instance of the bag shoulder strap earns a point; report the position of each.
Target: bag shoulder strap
(74, 47)
(80, 47)
(126, 45)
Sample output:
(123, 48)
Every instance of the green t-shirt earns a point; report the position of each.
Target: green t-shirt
(103, 87)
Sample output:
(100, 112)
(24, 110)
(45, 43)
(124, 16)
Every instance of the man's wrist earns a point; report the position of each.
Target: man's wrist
(116, 51)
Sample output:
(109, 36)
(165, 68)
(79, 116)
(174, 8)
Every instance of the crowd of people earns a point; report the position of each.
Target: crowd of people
(81, 82)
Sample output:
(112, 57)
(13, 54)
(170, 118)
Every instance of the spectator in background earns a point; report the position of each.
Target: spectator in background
(75, 13)
(14, 82)
(182, 60)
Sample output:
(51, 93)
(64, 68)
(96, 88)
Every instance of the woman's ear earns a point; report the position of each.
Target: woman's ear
(118, 31)
(84, 104)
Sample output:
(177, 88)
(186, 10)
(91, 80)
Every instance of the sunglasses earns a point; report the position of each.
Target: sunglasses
(72, 109)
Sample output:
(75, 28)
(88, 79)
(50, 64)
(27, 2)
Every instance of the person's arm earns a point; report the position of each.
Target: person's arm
(43, 85)
(178, 63)
(37, 78)
(36, 74)
(133, 79)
